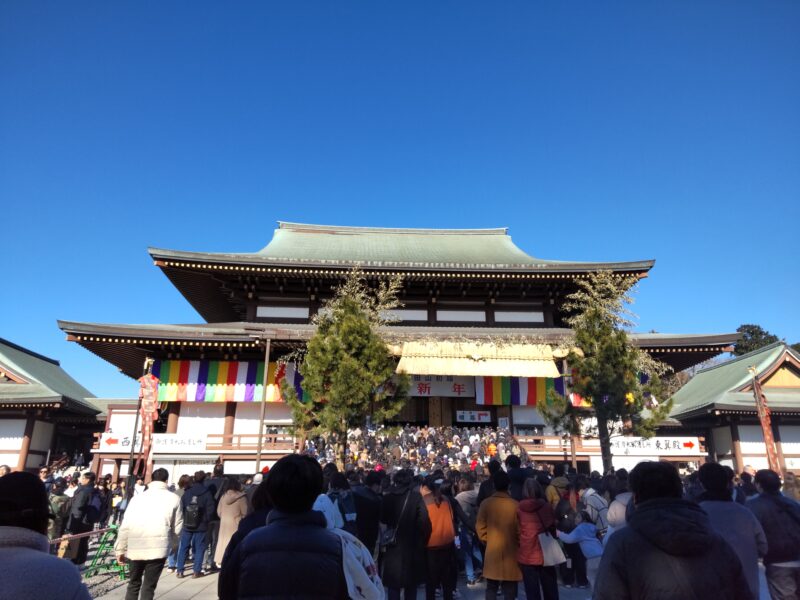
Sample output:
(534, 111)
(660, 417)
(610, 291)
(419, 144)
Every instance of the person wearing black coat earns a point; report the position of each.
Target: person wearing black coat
(368, 510)
(78, 522)
(194, 533)
(294, 555)
(404, 562)
(668, 549)
(572, 572)
(780, 518)
(486, 488)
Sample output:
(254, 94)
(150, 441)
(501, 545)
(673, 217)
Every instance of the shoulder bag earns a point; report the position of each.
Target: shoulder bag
(389, 535)
(551, 549)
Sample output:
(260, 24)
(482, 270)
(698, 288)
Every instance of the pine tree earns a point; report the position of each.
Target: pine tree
(753, 338)
(348, 370)
(607, 368)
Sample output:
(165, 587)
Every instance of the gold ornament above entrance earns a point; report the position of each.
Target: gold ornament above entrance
(477, 359)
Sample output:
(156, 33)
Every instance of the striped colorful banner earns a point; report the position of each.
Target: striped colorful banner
(512, 391)
(221, 380)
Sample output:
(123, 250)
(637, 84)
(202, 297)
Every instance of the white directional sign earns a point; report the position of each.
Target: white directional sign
(655, 446)
(176, 443)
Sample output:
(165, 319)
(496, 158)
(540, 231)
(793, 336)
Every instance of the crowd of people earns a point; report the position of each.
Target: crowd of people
(419, 448)
(386, 529)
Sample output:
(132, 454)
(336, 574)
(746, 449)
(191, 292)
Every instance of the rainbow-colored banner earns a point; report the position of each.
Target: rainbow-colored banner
(221, 380)
(512, 391)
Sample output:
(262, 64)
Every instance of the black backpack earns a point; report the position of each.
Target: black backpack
(193, 515)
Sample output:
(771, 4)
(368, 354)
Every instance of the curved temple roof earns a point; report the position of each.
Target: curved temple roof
(323, 245)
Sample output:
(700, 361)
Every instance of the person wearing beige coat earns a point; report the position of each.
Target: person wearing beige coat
(498, 528)
(151, 529)
(232, 508)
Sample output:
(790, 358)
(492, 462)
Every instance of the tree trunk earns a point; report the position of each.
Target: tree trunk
(341, 450)
(605, 442)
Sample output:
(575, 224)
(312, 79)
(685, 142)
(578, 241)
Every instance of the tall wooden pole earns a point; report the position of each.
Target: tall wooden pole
(766, 424)
(575, 424)
(263, 405)
(145, 371)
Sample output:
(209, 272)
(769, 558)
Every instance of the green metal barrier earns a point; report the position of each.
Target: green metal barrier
(104, 560)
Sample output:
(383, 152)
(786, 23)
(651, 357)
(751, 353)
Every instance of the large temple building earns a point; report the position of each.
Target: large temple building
(481, 332)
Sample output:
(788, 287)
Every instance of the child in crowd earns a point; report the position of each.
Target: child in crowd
(585, 534)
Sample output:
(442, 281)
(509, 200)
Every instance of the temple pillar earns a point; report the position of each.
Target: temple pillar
(776, 434)
(435, 411)
(230, 418)
(174, 411)
(737, 446)
(447, 411)
(26, 443)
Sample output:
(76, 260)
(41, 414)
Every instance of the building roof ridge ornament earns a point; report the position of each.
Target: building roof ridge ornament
(354, 229)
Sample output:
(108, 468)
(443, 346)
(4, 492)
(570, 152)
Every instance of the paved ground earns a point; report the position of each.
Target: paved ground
(205, 588)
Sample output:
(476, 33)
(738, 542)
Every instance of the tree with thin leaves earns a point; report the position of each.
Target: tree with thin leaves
(606, 368)
(348, 370)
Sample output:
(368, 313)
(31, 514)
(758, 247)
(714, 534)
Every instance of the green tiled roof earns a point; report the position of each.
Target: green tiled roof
(299, 244)
(46, 379)
(717, 386)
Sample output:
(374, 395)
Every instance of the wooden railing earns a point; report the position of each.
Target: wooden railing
(271, 442)
(549, 444)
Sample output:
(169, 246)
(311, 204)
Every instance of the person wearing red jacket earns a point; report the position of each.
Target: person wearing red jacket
(535, 516)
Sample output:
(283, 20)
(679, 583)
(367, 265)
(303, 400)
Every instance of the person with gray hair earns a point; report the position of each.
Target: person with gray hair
(150, 531)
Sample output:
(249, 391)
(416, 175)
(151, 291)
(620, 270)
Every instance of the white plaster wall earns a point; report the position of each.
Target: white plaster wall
(179, 467)
(121, 422)
(752, 440)
(757, 462)
(11, 433)
(248, 467)
(42, 436)
(790, 438)
(106, 468)
(202, 418)
(526, 415)
(248, 414)
(596, 463)
(9, 458)
(627, 462)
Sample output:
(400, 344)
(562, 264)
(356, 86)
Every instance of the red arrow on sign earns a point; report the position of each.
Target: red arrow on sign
(111, 441)
(688, 444)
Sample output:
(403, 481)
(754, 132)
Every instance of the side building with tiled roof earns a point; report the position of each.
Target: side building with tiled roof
(718, 404)
(44, 412)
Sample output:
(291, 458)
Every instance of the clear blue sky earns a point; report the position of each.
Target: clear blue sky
(594, 131)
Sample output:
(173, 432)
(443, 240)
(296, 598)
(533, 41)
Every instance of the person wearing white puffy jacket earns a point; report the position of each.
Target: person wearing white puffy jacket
(617, 514)
(151, 529)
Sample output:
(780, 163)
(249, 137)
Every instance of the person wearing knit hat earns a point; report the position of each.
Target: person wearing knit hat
(24, 547)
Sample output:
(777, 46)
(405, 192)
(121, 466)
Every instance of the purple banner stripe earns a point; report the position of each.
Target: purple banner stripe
(514, 391)
(202, 379)
(250, 381)
(558, 384)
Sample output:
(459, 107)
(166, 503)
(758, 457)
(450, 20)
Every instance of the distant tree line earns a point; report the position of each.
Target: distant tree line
(755, 337)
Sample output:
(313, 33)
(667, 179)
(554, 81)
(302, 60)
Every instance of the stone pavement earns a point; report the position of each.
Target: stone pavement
(205, 588)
